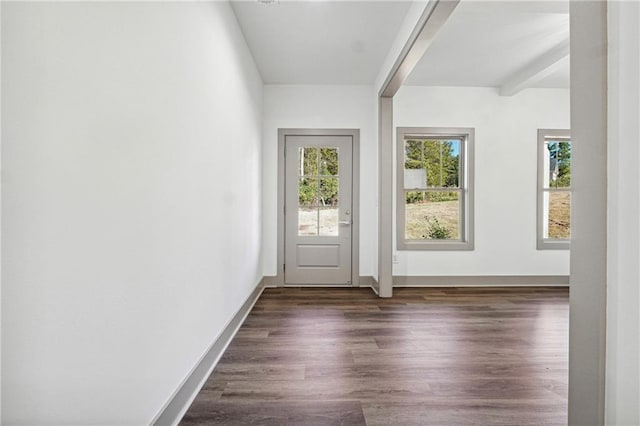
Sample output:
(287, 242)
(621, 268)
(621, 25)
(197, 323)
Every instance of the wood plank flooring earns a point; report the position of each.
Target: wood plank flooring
(436, 356)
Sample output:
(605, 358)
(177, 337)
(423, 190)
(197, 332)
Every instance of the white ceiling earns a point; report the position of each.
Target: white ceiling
(320, 42)
(484, 43)
(488, 43)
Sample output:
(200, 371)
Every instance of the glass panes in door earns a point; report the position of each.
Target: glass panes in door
(318, 191)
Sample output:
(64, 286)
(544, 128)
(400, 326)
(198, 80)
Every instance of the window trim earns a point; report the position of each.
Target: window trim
(467, 136)
(548, 243)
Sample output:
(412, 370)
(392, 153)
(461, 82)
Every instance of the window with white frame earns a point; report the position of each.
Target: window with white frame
(435, 188)
(554, 189)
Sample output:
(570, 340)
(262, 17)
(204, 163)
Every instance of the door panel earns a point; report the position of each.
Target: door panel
(318, 255)
(318, 192)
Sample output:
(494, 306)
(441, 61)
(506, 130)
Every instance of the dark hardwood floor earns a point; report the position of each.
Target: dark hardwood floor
(436, 356)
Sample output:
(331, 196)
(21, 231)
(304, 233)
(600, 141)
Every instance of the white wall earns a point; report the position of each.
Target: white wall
(131, 202)
(505, 176)
(320, 107)
(623, 241)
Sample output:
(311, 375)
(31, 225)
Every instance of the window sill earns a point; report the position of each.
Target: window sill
(435, 246)
(554, 244)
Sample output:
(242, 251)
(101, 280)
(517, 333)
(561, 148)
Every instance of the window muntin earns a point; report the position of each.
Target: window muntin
(554, 189)
(433, 203)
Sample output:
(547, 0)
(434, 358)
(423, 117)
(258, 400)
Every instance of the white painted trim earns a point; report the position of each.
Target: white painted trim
(364, 281)
(369, 281)
(548, 243)
(466, 136)
(178, 404)
(482, 281)
(318, 286)
(535, 71)
(272, 281)
(375, 286)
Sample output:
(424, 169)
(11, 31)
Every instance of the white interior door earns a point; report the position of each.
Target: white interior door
(318, 209)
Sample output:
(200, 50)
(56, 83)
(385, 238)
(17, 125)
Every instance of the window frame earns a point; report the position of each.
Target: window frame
(542, 242)
(466, 136)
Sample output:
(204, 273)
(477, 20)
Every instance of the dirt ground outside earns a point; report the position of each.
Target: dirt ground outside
(321, 221)
(559, 215)
(419, 215)
(447, 214)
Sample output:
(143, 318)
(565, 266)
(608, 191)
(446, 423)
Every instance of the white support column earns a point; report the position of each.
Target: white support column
(385, 204)
(622, 405)
(431, 20)
(589, 212)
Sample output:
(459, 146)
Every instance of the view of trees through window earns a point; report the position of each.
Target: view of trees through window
(318, 190)
(557, 190)
(432, 188)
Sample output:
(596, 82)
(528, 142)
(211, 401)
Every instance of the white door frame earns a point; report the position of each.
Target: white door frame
(355, 209)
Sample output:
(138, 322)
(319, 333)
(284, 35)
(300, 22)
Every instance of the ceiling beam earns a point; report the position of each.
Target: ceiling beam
(540, 68)
(435, 15)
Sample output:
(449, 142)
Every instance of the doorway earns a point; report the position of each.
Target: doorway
(318, 219)
(588, 262)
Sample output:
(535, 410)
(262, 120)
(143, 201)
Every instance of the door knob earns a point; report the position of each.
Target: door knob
(345, 222)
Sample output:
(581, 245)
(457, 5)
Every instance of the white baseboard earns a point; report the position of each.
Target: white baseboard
(482, 281)
(369, 281)
(179, 403)
(364, 281)
(272, 281)
(453, 281)
(317, 286)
